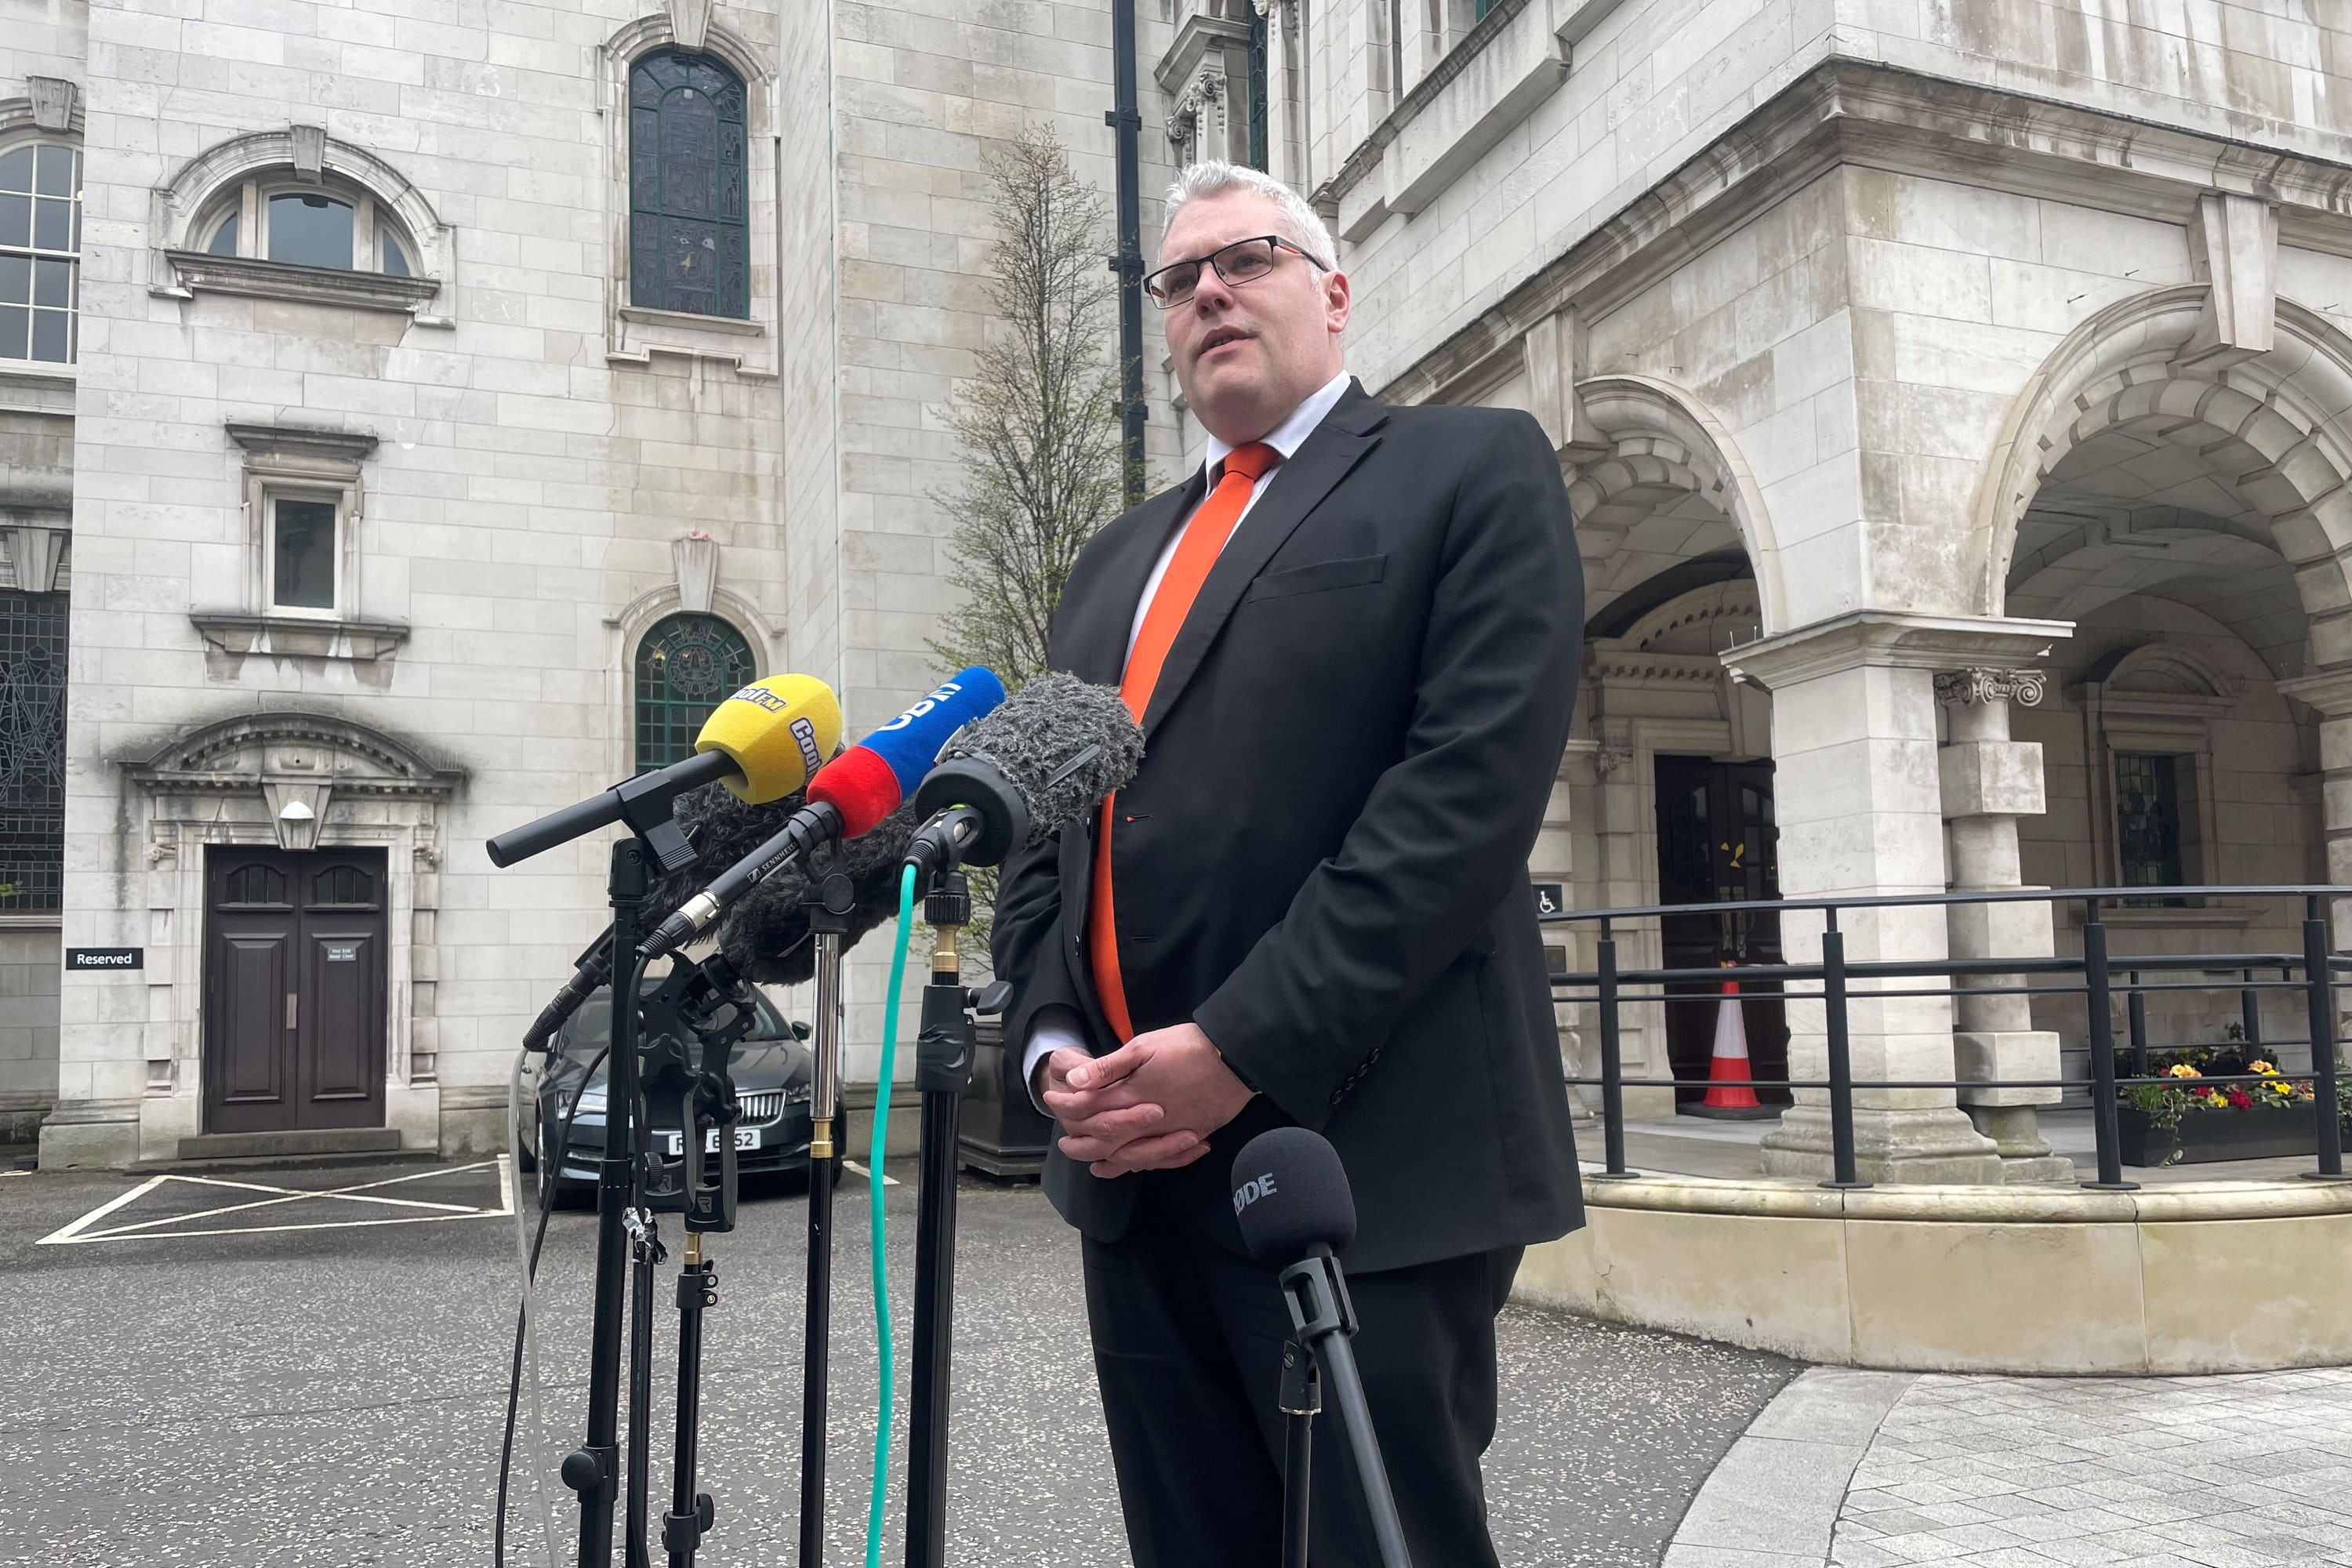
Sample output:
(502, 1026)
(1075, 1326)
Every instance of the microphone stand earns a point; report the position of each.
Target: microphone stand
(1301, 1402)
(592, 1469)
(943, 1056)
(829, 899)
(1322, 1318)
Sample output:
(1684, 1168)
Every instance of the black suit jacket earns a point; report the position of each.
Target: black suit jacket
(1323, 861)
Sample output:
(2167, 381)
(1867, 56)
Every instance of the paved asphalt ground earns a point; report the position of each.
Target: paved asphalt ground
(225, 1388)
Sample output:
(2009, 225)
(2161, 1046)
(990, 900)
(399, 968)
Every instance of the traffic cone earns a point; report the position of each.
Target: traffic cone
(1730, 1100)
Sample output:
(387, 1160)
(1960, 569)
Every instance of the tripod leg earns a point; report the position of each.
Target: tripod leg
(824, 1174)
(592, 1469)
(1388, 1532)
(1302, 1397)
(689, 1514)
(641, 1397)
(927, 1425)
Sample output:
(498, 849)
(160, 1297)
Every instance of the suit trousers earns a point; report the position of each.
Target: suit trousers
(1188, 1340)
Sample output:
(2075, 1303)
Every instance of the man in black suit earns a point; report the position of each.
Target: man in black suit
(1353, 641)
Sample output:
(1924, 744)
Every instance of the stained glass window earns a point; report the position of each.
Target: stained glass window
(689, 240)
(40, 250)
(685, 667)
(1257, 91)
(2147, 819)
(32, 751)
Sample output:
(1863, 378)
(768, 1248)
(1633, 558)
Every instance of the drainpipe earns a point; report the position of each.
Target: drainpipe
(1128, 122)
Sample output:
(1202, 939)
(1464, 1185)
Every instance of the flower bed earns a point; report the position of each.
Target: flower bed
(2189, 1120)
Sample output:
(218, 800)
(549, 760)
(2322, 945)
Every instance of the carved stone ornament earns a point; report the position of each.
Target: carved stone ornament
(35, 553)
(1610, 761)
(53, 101)
(695, 559)
(1962, 687)
(310, 153)
(690, 22)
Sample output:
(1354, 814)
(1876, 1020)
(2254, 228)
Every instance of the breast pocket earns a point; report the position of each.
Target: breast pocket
(1319, 577)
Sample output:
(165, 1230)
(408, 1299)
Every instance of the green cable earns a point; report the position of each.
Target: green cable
(874, 1188)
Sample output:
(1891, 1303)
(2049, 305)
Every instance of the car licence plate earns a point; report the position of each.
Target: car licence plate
(745, 1138)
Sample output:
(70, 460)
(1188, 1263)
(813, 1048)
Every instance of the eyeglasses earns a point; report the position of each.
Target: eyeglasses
(1243, 261)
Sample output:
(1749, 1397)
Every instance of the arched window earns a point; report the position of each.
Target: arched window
(341, 885)
(254, 885)
(40, 251)
(278, 217)
(689, 240)
(687, 666)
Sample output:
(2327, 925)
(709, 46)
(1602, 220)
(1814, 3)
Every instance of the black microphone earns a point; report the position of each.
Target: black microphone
(722, 827)
(1292, 1202)
(589, 971)
(1026, 772)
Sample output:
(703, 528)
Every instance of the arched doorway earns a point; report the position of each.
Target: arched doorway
(1669, 769)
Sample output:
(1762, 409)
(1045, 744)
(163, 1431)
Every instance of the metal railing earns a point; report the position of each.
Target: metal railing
(2089, 977)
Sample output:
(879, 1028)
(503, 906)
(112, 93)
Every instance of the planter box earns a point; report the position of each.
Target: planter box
(2258, 1134)
(1001, 1133)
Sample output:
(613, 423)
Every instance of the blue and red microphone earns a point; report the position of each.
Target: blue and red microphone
(846, 797)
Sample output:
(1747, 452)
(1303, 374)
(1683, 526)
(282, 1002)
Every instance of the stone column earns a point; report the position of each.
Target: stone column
(2328, 692)
(1989, 781)
(1859, 799)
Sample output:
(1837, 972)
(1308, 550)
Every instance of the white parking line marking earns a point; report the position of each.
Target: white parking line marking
(73, 1232)
(887, 1180)
(80, 1231)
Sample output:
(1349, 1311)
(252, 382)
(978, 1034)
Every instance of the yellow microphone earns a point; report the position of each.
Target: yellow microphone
(776, 731)
(764, 742)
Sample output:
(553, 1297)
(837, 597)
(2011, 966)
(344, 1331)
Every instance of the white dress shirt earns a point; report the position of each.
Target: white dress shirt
(1055, 1027)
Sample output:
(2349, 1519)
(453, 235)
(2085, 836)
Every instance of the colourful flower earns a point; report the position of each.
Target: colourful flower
(2262, 1068)
(2183, 1069)
(2239, 1100)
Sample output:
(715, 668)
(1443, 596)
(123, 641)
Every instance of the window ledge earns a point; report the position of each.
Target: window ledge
(33, 920)
(38, 370)
(287, 636)
(194, 272)
(646, 315)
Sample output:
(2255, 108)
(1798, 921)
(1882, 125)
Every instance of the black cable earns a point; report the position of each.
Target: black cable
(550, 1181)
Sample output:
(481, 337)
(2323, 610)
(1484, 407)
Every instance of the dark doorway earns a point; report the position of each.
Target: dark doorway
(294, 989)
(1718, 843)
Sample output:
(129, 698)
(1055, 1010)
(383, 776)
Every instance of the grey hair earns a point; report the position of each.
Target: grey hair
(1212, 178)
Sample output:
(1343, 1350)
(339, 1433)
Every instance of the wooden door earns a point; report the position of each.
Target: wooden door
(1718, 843)
(294, 982)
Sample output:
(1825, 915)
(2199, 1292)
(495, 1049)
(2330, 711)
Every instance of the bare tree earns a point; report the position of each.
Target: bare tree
(1038, 419)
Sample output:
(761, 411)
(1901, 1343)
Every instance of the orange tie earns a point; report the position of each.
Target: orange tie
(1196, 552)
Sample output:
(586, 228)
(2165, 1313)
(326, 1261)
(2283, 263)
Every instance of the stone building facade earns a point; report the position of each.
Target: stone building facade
(1954, 398)
(1952, 392)
(418, 484)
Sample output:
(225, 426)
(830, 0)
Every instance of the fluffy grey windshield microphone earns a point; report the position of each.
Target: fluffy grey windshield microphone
(1033, 767)
(765, 934)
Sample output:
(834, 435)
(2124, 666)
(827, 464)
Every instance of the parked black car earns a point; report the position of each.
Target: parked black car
(771, 1067)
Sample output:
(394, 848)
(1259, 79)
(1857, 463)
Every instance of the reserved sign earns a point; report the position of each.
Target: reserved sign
(106, 958)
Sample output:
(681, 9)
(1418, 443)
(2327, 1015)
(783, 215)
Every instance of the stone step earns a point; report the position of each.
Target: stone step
(279, 1146)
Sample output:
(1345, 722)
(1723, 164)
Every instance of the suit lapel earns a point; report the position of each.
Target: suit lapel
(1102, 656)
(1338, 443)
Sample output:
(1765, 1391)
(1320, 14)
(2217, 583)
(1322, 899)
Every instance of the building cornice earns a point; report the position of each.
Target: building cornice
(1847, 111)
(1892, 639)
